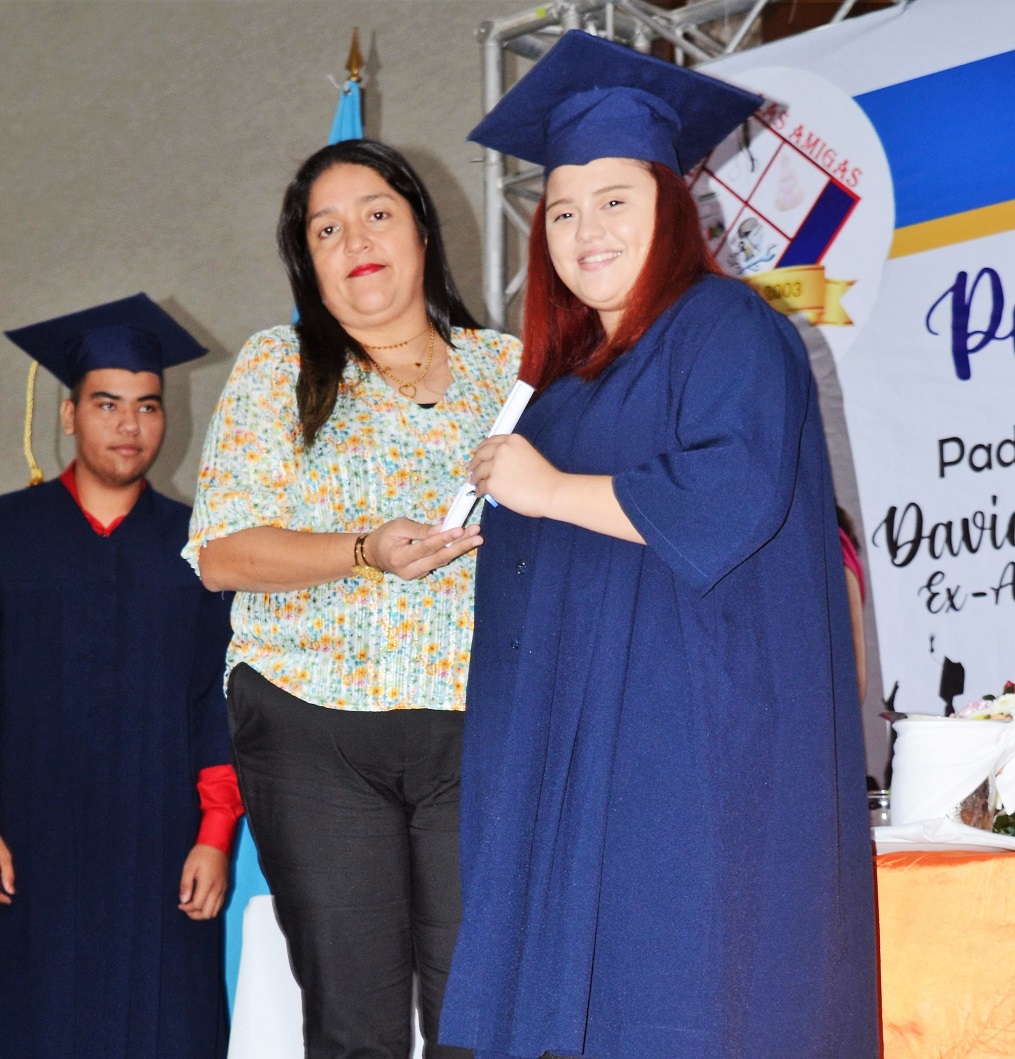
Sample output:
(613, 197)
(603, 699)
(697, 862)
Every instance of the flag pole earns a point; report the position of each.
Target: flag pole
(348, 122)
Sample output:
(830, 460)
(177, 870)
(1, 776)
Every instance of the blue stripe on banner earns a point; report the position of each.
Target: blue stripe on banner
(825, 219)
(948, 138)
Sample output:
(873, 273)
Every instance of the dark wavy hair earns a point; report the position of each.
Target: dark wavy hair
(562, 335)
(325, 345)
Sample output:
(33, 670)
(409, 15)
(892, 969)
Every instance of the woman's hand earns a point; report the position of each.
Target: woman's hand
(412, 550)
(272, 559)
(507, 468)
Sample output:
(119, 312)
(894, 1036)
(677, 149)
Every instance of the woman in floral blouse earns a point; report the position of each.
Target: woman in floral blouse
(332, 457)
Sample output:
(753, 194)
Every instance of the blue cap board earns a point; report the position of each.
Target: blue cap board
(133, 333)
(589, 98)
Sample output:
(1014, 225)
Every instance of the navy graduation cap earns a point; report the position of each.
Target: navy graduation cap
(132, 333)
(589, 98)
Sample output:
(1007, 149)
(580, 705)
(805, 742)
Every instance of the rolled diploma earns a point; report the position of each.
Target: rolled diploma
(506, 421)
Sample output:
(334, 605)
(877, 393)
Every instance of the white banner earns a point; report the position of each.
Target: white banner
(877, 202)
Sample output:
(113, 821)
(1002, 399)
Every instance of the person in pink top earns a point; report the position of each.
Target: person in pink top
(856, 590)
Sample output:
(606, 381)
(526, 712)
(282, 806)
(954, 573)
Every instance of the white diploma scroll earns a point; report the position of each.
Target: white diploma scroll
(506, 421)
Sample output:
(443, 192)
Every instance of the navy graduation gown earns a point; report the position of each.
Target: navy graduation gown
(111, 658)
(665, 845)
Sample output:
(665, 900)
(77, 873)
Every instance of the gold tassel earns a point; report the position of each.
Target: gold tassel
(355, 61)
(36, 477)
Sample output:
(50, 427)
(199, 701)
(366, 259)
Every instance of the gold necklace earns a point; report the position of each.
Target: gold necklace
(407, 387)
(396, 345)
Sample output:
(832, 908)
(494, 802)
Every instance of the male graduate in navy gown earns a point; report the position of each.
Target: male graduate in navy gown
(117, 802)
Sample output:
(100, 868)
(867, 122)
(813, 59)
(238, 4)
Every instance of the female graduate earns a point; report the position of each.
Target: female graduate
(665, 849)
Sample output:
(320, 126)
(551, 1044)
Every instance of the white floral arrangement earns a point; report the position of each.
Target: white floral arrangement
(995, 708)
(991, 707)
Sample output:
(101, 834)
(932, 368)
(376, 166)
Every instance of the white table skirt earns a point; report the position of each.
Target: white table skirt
(267, 1013)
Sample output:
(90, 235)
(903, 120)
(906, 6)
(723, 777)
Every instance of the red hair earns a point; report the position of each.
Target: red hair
(561, 335)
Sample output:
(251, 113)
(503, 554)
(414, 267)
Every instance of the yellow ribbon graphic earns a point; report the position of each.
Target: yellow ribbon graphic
(805, 289)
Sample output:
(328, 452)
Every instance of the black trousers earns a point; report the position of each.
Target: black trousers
(355, 818)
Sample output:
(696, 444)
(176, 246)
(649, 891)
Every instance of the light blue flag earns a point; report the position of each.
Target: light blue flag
(348, 123)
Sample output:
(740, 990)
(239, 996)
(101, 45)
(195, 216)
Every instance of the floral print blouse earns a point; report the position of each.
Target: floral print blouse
(350, 644)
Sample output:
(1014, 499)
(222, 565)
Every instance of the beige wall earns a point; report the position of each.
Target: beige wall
(145, 145)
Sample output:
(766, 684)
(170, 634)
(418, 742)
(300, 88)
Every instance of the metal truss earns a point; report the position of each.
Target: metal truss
(700, 32)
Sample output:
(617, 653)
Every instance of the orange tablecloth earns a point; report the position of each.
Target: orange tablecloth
(947, 940)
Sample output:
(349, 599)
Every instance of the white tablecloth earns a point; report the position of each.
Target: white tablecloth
(267, 1015)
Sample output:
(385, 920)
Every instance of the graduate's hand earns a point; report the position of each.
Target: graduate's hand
(410, 550)
(203, 883)
(6, 874)
(507, 468)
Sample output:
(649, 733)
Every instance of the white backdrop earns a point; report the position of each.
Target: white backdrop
(928, 437)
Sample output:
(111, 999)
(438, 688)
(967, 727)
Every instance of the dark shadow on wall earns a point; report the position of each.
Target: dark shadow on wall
(178, 393)
(462, 236)
(833, 416)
